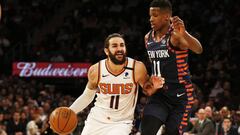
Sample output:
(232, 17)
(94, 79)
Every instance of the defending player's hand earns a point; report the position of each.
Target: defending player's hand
(179, 32)
(157, 82)
(151, 86)
(178, 25)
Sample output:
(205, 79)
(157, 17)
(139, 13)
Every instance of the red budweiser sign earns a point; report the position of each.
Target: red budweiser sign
(43, 69)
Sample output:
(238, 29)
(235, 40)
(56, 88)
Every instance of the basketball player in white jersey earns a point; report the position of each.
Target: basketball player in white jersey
(115, 82)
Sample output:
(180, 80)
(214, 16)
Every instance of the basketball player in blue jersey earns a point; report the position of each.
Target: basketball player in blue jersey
(115, 81)
(167, 46)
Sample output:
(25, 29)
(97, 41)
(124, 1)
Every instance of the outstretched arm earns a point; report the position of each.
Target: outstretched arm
(89, 93)
(182, 39)
(149, 84)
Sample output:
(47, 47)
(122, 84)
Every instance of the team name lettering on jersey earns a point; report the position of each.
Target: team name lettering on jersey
(108, 88)
(158, 54)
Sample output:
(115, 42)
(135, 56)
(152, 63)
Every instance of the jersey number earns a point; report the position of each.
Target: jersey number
(156, 68)
(116, 99)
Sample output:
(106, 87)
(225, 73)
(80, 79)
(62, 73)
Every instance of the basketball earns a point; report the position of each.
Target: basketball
(63, 120)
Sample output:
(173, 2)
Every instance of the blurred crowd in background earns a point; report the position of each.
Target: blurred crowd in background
(74, 31)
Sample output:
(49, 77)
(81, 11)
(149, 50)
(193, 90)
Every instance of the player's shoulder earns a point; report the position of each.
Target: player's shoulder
(139, 65)
(137, 62)
(93, 70)
(147, 35)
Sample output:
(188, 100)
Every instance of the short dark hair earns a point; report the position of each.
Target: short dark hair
(228, 118)
(162, 4)
(106, 42)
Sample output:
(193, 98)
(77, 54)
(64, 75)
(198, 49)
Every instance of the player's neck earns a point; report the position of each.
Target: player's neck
(115, 69)
(161, 32)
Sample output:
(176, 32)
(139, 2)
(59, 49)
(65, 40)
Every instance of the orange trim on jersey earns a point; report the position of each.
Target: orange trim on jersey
(135, 94)
(182, 69)
(133, 72)
(190, 98)
(190, 90)
(181, 56)
(184, 119)
(182, 74)
(99, 72)
(192, 102)
(113, 73)
(184, 123)
(188, 106)
(134, 80)
(180, 60)
(182, 65)
(189, 86)
(185, 68)
(182, 81)
(181, 51)
(180, 78)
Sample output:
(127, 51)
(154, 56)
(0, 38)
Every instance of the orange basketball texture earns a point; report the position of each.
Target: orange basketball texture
(63, 120)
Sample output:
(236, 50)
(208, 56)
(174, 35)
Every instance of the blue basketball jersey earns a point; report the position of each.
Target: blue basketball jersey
(167, 61)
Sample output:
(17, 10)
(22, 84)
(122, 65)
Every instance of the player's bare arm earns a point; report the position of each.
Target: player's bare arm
(149, 84)
(89, 93)
(93, 77)
(182, 39)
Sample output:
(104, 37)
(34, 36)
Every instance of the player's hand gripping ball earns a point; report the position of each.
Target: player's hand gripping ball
(63, 120)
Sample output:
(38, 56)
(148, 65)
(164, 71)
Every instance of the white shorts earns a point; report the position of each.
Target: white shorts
(94, 127)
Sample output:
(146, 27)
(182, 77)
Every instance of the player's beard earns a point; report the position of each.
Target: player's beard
(113, 58)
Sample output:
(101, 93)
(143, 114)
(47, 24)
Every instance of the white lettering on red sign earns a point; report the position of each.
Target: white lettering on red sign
(28, 69)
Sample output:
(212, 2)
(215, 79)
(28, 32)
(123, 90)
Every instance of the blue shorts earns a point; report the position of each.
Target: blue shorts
(170, 105)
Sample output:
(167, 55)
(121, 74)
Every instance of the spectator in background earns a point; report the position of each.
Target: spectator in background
(139, 112)
(236, 119)
(227, 127)
(2, 122)
(209, 112)
(15, 125)
(203, 126)
(24, 120)
(226, 97)
(217, 119)
(2, 132)
(225, 112)
(32, 126)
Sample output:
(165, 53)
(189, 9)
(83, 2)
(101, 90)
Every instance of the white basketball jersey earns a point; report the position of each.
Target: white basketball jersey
(117, 96)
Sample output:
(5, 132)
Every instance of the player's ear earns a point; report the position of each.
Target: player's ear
(106, 51)
(167, 17)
